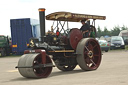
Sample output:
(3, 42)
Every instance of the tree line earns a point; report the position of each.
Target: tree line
(113, 32)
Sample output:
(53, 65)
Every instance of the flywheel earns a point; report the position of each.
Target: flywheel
(75, 36)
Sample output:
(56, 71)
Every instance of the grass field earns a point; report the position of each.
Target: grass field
(126, 47)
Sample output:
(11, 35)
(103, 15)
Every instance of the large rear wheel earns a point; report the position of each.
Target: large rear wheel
(89, 54)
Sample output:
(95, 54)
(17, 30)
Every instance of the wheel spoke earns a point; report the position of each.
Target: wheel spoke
(89, 43)
(89, 65)
(92, 62)
(86, 53)
(90, 47)
(96, 55)
(86, 48)
(94, 46)
(42, 70)
(87, 60)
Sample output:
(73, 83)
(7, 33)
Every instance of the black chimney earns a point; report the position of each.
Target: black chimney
(42, 22)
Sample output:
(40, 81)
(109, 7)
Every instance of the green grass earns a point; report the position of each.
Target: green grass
(11, 55)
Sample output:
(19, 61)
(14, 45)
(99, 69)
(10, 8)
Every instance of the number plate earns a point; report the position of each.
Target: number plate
(103, 45)
(118, 46)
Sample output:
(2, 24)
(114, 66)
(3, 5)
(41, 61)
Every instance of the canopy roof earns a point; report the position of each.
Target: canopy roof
(73, 17)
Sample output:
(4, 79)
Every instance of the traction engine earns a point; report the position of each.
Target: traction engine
(66, 48)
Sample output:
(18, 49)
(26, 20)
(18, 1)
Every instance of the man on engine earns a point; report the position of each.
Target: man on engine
(85, 28)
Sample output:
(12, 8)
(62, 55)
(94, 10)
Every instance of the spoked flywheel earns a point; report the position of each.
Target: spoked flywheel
(89, 54)
(64, 67)
(30, 66)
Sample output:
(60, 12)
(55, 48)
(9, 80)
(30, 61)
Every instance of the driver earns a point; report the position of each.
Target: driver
(85, 28)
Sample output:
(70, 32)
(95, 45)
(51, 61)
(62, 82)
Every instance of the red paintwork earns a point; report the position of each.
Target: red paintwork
(42, 52)
(75, 37)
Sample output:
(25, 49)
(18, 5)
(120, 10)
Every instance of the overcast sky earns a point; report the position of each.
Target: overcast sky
(114, 10)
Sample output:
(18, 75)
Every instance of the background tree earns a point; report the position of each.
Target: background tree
(113, 32)
(99, 31)
(106, 32)
(124, 28)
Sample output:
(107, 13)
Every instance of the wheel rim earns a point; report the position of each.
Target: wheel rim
(90, 54)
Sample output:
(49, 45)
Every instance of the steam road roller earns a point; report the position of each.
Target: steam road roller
(67, 46)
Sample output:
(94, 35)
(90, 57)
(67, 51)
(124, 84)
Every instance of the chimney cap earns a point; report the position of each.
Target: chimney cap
(41, 9)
